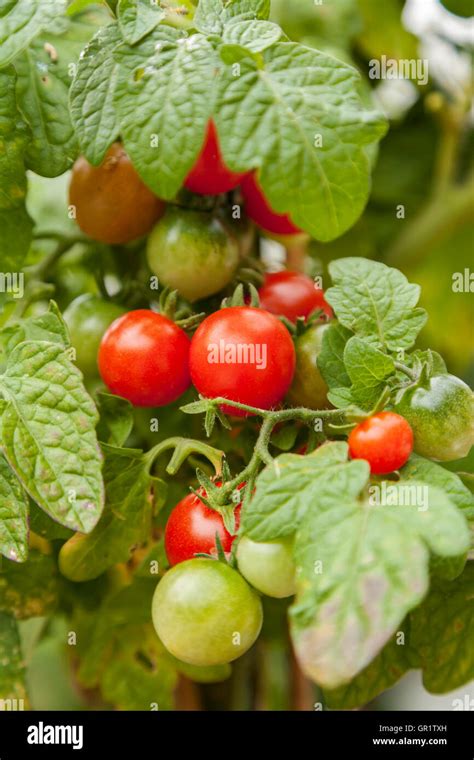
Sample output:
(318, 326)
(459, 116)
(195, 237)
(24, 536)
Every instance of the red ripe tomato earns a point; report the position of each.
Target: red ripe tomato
(210, 175)
(292, 295)
(191, 529)
(259, 210)
(243, 354)
(384, 440)
(144, 357)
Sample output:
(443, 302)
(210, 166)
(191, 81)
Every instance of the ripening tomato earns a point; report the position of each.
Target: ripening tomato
(242, 354)
(112, 203)
(292, 295)
(260, 211)
(210, 175)
(205, 613)
(192, 527)
(192, 252)
(385, 440)
(144, 357)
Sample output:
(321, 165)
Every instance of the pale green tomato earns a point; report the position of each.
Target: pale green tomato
(268, 565)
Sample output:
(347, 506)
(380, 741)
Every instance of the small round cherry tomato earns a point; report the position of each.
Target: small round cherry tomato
(292, 295)
(260, 211)
(205, 613)
(268, 566)
(192, 252)
(112, 203)
(210, 175)
(192, 527)
(245, 355)
(144, 357)
(385, 440)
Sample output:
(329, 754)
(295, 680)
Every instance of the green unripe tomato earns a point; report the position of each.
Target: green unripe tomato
(441, 416)
(87, 318)
(268, 566)
(192, 252)
(309, 387)
(205, 613)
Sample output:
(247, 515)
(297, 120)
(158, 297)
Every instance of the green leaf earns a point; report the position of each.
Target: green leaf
(296, 116)
(44, 526)
(15, 224)
(341, 398)
(165, 81)
(420, 469)
(92, 95)
(287, 489)
(77, 6)
(443, 633)
(29, 589)
(368, 369)
(331, 358)
(137, 18)
(394, 660)
(125, 523)
(48, 327)
(140, 676)
(48, 434)
(15, 236)
(116, 419)
(212, 15)
(376, 302)
(285, 438)
(256, 36)
(21, 21)
(12, 672)
(362, 566)
(44, 79)
(13, 515)
(98, 631)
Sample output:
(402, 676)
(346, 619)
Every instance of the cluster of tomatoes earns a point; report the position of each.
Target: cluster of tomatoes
(205, 611)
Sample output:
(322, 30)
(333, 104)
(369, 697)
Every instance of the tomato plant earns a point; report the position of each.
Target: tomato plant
(201, 450)
(144, 357)
(243, 355)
